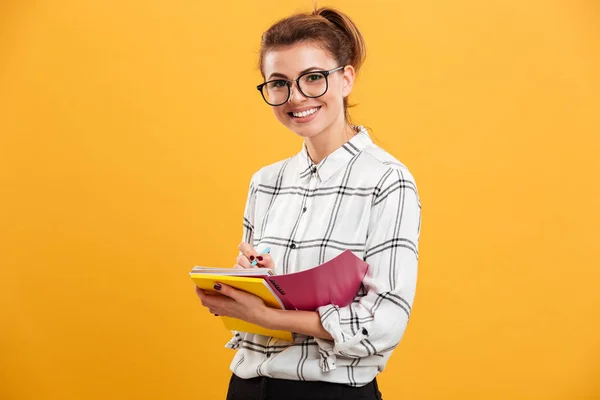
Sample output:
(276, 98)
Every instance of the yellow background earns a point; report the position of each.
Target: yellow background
(128, 134)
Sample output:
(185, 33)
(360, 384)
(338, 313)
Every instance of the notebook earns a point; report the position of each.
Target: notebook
(336, 281)
(256, 285)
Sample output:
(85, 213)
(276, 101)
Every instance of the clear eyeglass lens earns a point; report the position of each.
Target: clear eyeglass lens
(313, 84)
(276, 92)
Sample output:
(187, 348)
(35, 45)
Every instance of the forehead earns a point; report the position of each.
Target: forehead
(291, 60)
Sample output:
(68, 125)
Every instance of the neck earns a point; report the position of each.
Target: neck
(329, 140)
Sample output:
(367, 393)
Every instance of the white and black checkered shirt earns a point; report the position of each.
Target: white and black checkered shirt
(358, 198)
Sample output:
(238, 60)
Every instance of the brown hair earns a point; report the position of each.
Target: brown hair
(328, 28)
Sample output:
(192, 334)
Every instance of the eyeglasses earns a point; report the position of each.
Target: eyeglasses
(311, 84)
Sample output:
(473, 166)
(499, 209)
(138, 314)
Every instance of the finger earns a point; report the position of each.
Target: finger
(205, 298)
(238, 266)
(227, 291)
(200, 293)
(248, 251)
(243, 261)
(265, 261)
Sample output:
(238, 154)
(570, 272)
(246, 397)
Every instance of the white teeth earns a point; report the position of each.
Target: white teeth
(305, 113)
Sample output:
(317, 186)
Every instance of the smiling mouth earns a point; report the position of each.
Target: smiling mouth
(304, 114)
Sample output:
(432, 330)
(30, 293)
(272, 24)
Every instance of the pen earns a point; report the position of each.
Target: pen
(266, 250)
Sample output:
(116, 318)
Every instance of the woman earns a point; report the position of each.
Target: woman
(340, 192)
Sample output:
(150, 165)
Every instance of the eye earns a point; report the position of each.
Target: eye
(276, 84)
(314, 77)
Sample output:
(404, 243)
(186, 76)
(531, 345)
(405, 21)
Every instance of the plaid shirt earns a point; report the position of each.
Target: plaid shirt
(358, 198)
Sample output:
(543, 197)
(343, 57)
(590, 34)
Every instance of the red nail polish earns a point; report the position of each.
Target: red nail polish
(251, 258)
(217, 286)
(259, 258)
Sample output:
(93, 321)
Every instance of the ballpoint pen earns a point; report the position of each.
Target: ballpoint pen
(266, 250)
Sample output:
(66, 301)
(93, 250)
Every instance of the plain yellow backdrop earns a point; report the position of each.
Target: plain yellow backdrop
(128, 134)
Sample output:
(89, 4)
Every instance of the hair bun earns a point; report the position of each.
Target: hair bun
(345, 25)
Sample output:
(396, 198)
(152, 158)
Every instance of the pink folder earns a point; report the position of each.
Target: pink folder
(336, 281)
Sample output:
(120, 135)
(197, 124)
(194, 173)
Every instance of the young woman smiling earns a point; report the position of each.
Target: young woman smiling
(341, 191)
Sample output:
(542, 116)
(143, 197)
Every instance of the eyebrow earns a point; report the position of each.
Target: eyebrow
(278, 75)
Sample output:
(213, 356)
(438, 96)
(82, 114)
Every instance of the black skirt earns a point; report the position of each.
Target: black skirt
(281, 389)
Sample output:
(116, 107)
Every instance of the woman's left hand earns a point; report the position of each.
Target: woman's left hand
(230, 302)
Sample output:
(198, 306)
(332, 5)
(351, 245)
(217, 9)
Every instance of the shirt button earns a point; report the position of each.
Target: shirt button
(268, 355)
(293, 245)
(314, 170)
(304, 209)
(365, 331)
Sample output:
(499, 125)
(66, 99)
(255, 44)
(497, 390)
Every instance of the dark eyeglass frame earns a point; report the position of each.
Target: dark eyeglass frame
(288, 83)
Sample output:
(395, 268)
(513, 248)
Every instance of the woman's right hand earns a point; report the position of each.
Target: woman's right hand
(249, 254)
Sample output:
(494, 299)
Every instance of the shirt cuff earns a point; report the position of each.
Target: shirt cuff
(341, 342)
(234, 342)
(327, 357)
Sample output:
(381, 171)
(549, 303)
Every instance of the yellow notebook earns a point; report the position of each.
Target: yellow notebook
(254, 285)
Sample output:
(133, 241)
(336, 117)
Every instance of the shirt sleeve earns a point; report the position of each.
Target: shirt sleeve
(248, 225)
(375, 322)
(248, 237)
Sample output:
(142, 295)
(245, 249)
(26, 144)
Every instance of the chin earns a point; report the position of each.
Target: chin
(306, 131)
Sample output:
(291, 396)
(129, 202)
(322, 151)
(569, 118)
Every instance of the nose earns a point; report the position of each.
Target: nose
(295, 94)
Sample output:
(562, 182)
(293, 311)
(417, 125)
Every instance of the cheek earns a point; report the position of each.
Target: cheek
(334, 100)
(279, 114)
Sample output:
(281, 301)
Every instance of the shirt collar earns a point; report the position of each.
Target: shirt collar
(333, 162)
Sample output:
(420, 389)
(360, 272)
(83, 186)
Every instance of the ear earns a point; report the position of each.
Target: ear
(349, 75)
